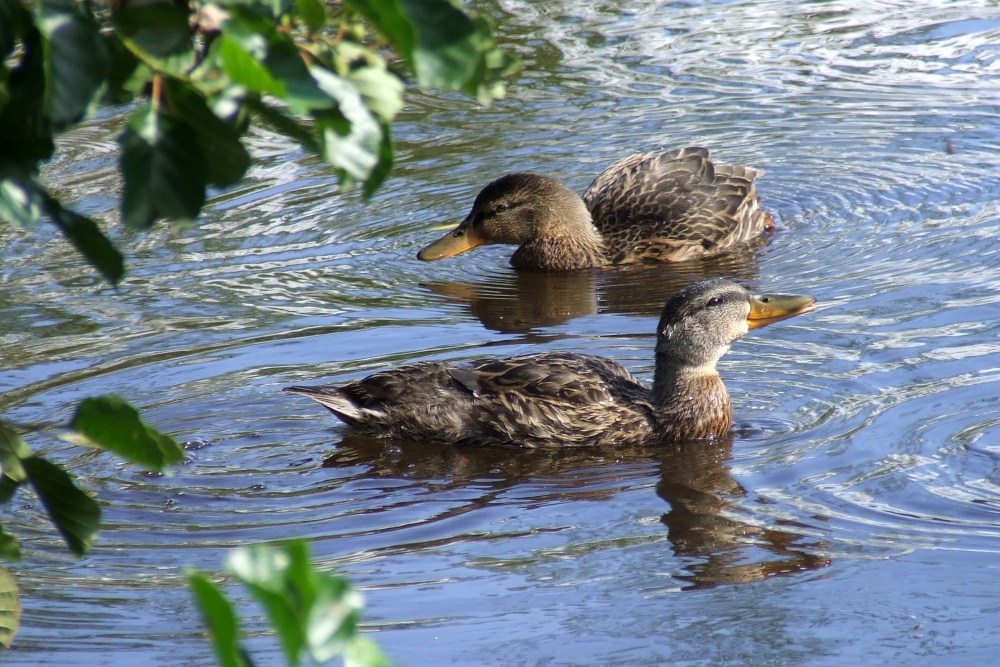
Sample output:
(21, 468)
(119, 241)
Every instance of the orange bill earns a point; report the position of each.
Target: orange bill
(770, 308)
(458, 240)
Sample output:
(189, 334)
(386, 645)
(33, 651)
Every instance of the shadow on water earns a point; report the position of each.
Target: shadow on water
(693, 479)
(517, 302)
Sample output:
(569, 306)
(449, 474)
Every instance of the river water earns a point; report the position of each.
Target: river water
(853, 517)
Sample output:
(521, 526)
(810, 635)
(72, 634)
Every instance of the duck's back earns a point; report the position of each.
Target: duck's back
(674, 206)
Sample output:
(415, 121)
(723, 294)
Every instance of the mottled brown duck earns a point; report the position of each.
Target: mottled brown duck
(665, 207)
(565, 399)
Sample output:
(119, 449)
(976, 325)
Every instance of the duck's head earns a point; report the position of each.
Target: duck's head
(515, 209)
(701, 321)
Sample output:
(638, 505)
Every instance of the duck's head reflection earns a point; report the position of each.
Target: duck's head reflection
(693, 478)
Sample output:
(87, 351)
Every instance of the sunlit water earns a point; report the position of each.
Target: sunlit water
(853, 518)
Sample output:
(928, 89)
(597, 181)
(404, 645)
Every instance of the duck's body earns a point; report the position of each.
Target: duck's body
(565, 399)
(670, 206)
(530, 400)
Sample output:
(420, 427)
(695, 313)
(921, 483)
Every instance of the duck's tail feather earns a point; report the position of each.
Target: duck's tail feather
(338, 402)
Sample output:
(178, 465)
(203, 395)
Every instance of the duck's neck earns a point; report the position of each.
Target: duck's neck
(581, 248)
(692, 402)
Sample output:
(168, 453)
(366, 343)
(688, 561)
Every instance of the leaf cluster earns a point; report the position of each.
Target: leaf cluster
(331, 80)
(315, 614)
(105, 422)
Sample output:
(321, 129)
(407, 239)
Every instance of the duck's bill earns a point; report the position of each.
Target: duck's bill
(770, 308)
(458, 240)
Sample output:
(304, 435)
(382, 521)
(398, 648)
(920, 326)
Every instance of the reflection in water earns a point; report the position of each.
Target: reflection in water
(516, 302)
(696, 482)
(693, 479)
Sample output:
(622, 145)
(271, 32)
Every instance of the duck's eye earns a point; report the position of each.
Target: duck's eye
(714, 301)
(500, 208)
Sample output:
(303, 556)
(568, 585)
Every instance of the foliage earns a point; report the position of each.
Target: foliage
(315, 614)
(329, 76)
(197, 73)
(107, 423)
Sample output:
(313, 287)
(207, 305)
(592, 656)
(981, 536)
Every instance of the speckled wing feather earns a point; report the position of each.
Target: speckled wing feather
(673, 206)
(559, 398)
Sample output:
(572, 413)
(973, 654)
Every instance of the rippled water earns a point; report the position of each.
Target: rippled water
(853, 518)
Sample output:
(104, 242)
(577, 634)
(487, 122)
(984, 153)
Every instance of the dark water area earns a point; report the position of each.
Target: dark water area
(852, 518)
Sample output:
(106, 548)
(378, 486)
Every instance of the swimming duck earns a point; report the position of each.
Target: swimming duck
(565, 399)
(667, 207)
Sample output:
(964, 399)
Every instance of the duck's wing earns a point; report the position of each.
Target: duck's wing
(558, 399)
(558, 377)
(675, 205)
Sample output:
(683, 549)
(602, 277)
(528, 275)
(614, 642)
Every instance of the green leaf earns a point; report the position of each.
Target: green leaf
(8, 487)
(265, 572)
(332, 619)
(20, 202)
(384, 166)
(10, 608)
(363, 652)
(246, 70)
(230, 105)
(445, 55)
(495, 64)
(12, 450)
(12, 19)
(110, 423)
(9, 550)
(160, 35)
(127, 76)
(381, 90)
(389, 19)
(220, 618)
(228, 160)
(25, 132)
(444, 46)
(312, 13)
(311, 610)
(165, 170)
(88, 239)
(266, 61)
(75, 514)
(352, 137)
(76, 62)
(284, 124)
(12, 473)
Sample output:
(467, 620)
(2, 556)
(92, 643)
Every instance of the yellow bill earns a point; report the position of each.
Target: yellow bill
(770, 308)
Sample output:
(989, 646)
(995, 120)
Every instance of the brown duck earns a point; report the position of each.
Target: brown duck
(566, 399)
(664, 207)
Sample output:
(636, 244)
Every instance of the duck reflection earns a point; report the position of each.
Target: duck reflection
(694, 480)
(517, 302)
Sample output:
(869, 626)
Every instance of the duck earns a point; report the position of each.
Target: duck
(564, 399)
(650, 207)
